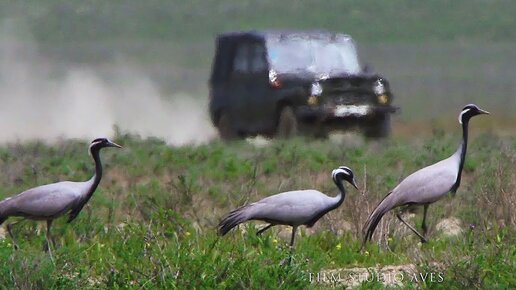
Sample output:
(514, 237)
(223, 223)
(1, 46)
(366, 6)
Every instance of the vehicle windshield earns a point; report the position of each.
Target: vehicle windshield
(319, 56)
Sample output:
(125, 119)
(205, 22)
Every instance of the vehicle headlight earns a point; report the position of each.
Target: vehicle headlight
(312, 100)
(316, 89)
(383, 99)
(379, 87)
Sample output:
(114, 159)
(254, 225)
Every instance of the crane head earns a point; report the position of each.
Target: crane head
(99, 143)
(469, 111)
(344, 173)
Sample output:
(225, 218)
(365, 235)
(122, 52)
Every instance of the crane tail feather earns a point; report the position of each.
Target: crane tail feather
(372, 222)
(233, 219)
(4, 215)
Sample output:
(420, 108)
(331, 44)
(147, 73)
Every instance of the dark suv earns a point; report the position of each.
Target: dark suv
(280, 83)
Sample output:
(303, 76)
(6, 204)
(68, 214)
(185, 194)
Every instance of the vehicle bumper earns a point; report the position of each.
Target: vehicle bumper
(321, 114)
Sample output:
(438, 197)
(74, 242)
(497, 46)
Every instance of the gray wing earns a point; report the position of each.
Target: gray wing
(428, 184)
(46, 201)
(293, 207)
(289, 208)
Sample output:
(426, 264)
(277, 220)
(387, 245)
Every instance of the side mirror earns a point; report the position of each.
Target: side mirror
(368, 68)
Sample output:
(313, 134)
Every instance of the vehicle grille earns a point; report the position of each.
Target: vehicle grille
(348, 99)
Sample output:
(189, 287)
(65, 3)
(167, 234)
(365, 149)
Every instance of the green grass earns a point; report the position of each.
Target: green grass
(151, 224)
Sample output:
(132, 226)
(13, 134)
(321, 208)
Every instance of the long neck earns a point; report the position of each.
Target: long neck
(462, 151)
(95, 180)
(95, 153)
(339, 199)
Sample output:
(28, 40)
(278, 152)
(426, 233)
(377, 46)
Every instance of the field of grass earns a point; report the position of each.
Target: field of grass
(152, 222)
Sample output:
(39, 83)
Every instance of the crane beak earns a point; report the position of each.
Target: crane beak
(353, 182)
(483, 112)
(113, 144)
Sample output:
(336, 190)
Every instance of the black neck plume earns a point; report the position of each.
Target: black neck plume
(98, 171)
(342, 193)
(463, 148)
(340, 199)
(95, 153)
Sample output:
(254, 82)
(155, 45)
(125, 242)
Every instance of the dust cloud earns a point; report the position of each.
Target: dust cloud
(44, 100)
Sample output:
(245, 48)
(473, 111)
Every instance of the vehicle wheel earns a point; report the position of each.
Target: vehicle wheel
(225, 127)
(287, 123)
(379, 127)
(321, 134)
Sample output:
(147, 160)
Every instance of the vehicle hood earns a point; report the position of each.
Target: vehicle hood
(311, 77)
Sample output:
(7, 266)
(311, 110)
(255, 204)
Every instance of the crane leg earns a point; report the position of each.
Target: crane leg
(289, 260)
(9, 230)
(49, 239)
(263, 229)
(293, 236)
(423, 239)
(423, 225)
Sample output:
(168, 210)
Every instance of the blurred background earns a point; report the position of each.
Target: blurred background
(74, 69)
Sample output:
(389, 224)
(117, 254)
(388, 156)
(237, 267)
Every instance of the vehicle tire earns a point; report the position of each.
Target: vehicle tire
(321, 134)
(224, 125)
(287, 123)
(379, 127)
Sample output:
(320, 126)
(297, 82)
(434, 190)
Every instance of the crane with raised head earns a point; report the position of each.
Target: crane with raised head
(427, 185)
(50, 201)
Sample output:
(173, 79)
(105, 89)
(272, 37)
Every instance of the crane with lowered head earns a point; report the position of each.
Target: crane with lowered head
(293, 208)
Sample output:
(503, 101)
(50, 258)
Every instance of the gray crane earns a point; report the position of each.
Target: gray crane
(50, 201)
(293, 208)
(426, 185)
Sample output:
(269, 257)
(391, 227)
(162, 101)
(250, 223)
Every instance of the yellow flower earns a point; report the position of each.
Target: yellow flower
(187, 234)
(274, 241)
(366, 253)
(338, 246)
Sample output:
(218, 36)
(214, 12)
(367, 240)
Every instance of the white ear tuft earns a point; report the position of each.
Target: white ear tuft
(91, 146)
(342, 169)
(462, 113)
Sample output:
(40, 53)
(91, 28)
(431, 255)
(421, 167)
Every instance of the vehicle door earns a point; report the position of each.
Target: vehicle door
(238, 84)
(258, 88)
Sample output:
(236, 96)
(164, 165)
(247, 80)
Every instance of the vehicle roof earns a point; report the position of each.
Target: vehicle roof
(277, 33)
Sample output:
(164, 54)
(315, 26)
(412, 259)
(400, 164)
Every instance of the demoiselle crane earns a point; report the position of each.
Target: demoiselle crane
(48, 202)
(293, 208)
(426, 185)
